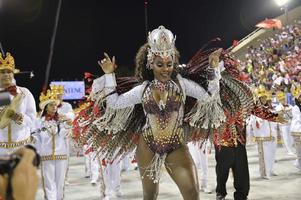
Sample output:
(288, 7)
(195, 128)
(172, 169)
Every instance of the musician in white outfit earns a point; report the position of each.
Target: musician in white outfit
(127, 161)
(64, 109)
(17, 119)
(265, 135)
(296, 128)
(92, 164)
(286, 110)
(112, 178)
(52, 146)
(199, 154)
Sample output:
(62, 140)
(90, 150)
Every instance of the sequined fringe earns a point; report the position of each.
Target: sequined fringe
(114, 120)
(206, 115)
(153, 171)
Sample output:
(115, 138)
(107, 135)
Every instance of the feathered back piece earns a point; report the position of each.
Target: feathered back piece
(236, 96)
(236, 99)
(109, 145)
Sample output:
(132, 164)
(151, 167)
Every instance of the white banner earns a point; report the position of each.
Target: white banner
(73, 89)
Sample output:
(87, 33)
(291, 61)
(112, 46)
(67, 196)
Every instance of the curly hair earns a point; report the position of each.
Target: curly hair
(142, 72)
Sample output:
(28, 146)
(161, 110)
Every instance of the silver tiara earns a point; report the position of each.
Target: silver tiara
(162, 43)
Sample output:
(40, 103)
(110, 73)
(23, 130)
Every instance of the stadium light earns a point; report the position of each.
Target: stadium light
(281, 3)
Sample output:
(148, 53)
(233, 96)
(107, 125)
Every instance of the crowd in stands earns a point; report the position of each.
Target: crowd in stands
(276, 61)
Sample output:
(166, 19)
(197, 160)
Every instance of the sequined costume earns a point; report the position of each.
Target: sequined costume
(237, 99)
(163, 130)
(132, 107)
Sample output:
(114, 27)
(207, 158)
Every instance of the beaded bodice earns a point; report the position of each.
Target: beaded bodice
(164, 115)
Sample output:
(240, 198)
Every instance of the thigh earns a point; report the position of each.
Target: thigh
(144, 157)
(182, 170)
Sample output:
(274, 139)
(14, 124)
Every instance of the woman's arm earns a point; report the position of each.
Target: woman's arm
(116, 101)
(196, 91)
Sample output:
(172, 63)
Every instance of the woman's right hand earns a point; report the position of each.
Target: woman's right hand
(108, 66)
(214, 58)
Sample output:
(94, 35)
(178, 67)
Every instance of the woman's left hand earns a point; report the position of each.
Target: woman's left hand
(214, 58)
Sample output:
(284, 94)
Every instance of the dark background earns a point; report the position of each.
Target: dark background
(87, 28)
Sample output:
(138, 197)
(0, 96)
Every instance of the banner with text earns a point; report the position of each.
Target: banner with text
(73, 89)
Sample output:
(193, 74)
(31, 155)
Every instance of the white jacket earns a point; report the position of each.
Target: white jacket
(51, 141)
(16, 135)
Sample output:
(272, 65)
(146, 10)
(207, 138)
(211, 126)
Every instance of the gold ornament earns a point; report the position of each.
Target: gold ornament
(8, 62)
(50, 96)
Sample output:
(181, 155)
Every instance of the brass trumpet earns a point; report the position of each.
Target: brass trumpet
(4, 112)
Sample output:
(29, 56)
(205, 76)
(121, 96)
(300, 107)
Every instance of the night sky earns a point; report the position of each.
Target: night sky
(87, 28)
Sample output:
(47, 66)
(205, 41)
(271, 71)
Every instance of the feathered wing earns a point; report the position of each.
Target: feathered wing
(236, 96)
(127, 124)
(84, 118)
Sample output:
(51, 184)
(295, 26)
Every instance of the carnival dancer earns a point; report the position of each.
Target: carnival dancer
(162, 92)
(17, 119)
(53, 148)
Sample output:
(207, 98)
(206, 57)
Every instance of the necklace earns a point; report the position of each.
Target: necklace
(160, 93)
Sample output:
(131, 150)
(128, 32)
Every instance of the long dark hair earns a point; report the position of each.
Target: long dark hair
(141, 71)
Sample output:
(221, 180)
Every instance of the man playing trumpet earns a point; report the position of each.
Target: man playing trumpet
(16, 119)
